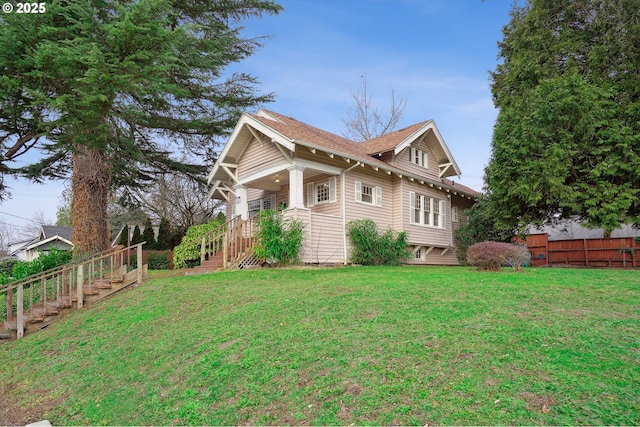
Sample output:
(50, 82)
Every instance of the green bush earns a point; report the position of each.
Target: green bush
(279, 240)
(55, 258)
(6, 265)
(187, 253)
(158, 260)
(372, 248)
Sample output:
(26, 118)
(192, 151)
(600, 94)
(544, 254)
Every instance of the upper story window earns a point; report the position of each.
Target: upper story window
(454, 214)
(368, 194)
(426, 210)
(418, 157)
(321, 192)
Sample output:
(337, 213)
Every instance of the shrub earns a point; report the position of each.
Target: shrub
(187, 253)
(6, 265)
(372, 248)
(55, 258)
(279, 240)
(158, 260)
(493, 255)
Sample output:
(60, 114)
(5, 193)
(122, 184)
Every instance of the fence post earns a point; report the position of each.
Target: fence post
(202, 250)
(20, 309)
(10, 304)
(80, 285)
(139, 263)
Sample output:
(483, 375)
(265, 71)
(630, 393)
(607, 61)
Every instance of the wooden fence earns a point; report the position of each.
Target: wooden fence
(612, 252)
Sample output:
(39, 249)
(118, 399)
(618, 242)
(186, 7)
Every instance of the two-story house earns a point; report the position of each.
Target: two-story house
(400, 180)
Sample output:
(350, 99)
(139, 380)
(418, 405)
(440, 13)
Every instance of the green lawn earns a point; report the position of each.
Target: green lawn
(405, 345)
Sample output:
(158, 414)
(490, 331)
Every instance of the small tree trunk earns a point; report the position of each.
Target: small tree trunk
(89, 195)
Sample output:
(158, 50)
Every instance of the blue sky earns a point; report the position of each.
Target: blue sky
(436, 54)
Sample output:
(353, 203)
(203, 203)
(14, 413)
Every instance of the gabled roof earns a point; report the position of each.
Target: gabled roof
(403, 138)
(48, 231)
(288, 133)
(48, 240)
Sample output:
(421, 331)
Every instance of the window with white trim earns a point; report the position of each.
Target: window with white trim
(418, 254)
(321, 192)
(418, 157)
(368, 194)
(426, 210)
(454, 213)
(255, 206)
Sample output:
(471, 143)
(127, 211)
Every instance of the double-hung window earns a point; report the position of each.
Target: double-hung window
(321, 192)
(368, 194)
(418, 157)
(426, 210)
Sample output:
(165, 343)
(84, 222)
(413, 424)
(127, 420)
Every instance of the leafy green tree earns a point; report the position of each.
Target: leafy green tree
(148, 235)
(566, 143)
(108, 90)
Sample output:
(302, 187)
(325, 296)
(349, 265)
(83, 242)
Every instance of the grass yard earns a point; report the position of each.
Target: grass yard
(370, 346)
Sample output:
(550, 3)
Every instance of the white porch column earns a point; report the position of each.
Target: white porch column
(296, 187)
(242, 208)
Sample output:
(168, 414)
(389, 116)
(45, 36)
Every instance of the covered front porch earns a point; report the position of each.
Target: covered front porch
(302, 190)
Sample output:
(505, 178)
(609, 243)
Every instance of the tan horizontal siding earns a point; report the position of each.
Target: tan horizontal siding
(326, 240)
(382, 215)
(258, 155)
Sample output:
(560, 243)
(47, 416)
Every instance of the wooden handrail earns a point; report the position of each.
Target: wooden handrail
(233, 239)
(63, 284)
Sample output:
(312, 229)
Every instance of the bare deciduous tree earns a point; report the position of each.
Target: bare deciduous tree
(181, 200)
(365, 121)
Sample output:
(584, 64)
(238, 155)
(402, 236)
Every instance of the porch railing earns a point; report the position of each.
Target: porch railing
(45, 293)
(233, 240)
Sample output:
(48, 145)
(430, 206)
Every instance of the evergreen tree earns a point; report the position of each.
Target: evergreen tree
(164, 235)
(124, 236)
(137, 236)
(566, 143)
(108, 90)
(148, 235)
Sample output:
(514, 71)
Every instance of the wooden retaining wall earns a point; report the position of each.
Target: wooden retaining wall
(613, 252)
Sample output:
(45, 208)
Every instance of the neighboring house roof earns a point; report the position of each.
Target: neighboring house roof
(48, 240)
(48, 231)
(572, 229)
(289, 132)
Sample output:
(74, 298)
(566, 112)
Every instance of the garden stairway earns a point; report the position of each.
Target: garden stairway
(35, 302)
(230, 246)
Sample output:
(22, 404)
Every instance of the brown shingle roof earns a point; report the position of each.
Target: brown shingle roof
(391, 140)
(302, 132)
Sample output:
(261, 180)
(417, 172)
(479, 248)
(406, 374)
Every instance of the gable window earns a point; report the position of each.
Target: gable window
(368, 194)
(418, 157)
(321, 192)
(426, 210)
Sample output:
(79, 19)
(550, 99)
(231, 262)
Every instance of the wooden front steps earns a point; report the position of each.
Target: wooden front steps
(35, 302)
